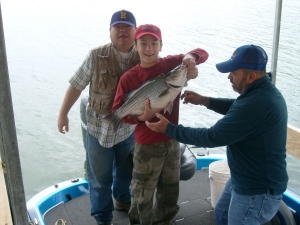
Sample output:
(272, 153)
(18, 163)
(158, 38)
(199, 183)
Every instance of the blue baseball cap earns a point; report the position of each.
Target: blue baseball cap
(123, 16)
(250, 57)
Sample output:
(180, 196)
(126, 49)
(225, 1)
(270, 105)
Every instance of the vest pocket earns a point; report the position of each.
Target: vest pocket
(101, 103)
(106, 80)
(103, 90)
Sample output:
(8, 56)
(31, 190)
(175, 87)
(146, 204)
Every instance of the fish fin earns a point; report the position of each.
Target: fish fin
(163, 93)
(169, 107)
(132, 116)
(113, 121)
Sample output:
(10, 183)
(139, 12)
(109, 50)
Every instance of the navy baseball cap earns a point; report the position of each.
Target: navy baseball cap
(123, 16)
(250, 57)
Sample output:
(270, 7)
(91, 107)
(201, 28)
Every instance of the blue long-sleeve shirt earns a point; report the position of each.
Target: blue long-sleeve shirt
(254, 128)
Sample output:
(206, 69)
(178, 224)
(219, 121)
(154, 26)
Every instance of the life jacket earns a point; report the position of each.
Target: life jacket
(106, 75)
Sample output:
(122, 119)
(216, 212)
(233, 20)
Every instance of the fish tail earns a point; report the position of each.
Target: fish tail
(113, 120)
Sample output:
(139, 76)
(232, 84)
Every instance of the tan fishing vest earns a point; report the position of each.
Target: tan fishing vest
(106, 75)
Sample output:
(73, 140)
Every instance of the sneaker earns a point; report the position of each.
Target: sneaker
(122, 206)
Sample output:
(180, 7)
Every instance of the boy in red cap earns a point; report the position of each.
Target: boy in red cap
(156, 156)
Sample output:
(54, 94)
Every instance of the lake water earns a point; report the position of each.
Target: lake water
(46, 41)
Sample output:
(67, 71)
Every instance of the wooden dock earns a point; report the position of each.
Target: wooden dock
(293, 141)
(5, 215)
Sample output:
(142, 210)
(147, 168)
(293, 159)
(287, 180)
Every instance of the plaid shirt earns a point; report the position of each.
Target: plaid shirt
(100, 130)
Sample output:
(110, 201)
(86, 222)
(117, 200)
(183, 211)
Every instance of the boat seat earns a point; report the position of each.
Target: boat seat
(188, 160)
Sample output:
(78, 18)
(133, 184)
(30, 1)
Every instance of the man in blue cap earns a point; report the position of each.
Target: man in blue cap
(109, 161)
(254, 128)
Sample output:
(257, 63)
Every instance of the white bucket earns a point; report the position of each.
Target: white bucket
(219, 173)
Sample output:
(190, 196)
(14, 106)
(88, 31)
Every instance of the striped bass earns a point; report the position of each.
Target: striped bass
(161, 91)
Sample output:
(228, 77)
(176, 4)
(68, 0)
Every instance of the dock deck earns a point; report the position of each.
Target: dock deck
(194, 201)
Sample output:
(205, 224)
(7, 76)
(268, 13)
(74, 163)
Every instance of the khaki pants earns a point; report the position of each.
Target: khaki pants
(156, 166)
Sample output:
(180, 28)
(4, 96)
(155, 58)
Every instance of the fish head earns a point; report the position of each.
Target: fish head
(177, 78)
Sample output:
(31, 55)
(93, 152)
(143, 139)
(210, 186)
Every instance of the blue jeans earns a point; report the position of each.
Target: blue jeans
(109, 172)
(235, 209)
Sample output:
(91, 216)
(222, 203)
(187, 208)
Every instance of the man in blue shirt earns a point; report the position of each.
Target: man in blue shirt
(254, 128)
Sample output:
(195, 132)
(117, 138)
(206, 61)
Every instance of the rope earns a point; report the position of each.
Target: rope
(61, 222)
(58, 222)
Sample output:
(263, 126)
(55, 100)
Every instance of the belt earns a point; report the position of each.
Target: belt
(273, 192)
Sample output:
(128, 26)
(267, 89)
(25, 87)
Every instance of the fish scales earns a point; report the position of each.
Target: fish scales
(135, 105)
(161, 91)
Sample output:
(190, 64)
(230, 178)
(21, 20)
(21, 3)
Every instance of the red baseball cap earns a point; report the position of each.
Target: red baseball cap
(148, 29)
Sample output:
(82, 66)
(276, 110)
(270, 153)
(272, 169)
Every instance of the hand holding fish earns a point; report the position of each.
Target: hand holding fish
(191, 97)
(148, 112)
(190, 62)
(192, 73)
(160, 126)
